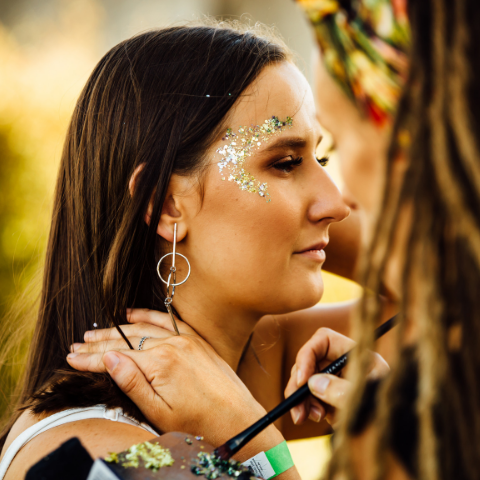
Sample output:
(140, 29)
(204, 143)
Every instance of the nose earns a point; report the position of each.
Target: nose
(349, 199)
(328, 203)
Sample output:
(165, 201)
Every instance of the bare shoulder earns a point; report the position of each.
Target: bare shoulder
(98, 436)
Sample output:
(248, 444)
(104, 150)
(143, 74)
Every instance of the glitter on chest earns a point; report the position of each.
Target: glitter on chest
(241, 146)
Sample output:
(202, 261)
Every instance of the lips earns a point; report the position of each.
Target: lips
(315, 247)
(315, 252)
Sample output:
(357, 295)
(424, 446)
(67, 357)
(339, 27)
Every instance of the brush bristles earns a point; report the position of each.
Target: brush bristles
(223, 451)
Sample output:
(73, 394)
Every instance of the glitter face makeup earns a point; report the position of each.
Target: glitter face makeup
(241, 146)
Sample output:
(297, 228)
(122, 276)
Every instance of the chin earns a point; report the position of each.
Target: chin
(305, 295)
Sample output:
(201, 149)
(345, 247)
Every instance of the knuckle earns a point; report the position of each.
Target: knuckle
(165, 352)
(324, 331)
(183, 342)
(136, 329)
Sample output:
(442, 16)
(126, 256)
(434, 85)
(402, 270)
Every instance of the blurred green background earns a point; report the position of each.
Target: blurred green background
(47, 50)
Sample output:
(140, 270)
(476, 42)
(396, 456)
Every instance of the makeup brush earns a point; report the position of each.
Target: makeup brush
(232, 446)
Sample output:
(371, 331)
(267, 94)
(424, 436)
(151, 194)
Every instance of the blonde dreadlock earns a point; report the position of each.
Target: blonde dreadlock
(442, 268)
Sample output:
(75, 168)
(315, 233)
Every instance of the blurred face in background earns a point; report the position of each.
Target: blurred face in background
(362, 148)
(360, 144)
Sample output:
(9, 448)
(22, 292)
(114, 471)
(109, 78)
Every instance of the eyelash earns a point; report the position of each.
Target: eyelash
(323, 161)
(288, 165)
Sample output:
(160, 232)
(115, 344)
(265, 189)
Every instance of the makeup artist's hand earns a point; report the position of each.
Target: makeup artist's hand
(143, 322)
(179, 382)
(324, 347)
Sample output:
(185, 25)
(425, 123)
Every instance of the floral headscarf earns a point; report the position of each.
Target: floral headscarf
(364, 45)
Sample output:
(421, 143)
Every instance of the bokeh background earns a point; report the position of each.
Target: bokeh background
(47, 50)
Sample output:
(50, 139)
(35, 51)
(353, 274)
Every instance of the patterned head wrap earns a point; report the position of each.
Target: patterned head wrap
(364, 45)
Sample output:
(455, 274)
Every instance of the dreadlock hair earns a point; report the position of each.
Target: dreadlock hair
(441, 192)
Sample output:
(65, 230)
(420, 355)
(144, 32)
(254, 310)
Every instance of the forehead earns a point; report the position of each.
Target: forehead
(280, 90)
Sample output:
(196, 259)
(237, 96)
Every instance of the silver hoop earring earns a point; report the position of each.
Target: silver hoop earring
(171, 282)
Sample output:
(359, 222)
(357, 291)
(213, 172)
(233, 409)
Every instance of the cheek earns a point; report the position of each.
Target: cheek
(242, 247)
(248, 237)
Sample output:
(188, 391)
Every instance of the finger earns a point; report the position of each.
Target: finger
(131, 380)
(378, 367)
(120, 345)
(86, 362)
(159, 319)
(317, 411)
(329, 389)
(102, 347)
(137, 330)
(325, 346)
(299, 412)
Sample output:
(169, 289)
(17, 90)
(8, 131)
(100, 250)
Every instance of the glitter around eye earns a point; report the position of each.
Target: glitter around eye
(237, 151)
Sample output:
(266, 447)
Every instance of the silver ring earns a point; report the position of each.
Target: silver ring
(142, 341)
(160, 275)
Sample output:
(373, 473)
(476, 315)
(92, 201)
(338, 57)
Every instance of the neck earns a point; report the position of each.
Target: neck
(224, 327)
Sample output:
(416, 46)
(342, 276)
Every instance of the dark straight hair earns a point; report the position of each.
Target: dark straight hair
(159, 100)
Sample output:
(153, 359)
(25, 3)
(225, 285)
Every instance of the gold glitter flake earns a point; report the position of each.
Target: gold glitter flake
(241, 147)
(153, 455)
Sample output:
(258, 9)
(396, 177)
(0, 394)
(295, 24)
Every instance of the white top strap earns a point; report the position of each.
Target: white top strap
(60, 418)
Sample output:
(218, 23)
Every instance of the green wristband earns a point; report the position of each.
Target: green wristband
(271, 463)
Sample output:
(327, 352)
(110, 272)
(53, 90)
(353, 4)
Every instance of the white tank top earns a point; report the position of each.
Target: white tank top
(67, 416)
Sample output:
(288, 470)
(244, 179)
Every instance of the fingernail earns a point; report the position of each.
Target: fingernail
(88, 335)
(295, 415)
(111, 361)
(299, 377)
(315, 414)
(75, 346)
(318, 384)
(72, 355)
(129, 310)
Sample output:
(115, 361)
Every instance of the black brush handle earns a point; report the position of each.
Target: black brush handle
(294, 399)
(237, 442)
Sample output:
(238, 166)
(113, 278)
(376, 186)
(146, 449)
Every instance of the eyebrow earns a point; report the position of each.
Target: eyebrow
(292, 142)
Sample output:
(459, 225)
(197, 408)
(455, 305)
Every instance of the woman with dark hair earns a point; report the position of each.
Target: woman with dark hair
(402, 114)
(201, 141)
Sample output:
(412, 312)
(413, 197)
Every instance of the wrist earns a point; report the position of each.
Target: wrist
(264, 441)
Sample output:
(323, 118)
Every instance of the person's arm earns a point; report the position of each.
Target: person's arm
(181, 384)
(99, 437)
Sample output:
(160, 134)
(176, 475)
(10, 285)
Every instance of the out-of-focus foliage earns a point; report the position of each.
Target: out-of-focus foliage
(39, 80)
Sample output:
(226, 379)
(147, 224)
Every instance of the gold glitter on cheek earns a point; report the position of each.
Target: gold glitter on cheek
(241, 147)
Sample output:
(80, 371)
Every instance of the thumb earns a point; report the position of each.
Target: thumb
(130, 379)
(330, 389)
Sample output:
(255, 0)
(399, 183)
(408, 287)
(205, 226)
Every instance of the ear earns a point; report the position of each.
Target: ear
(173, 209)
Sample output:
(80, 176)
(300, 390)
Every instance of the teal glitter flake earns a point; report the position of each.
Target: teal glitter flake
(211, 467)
